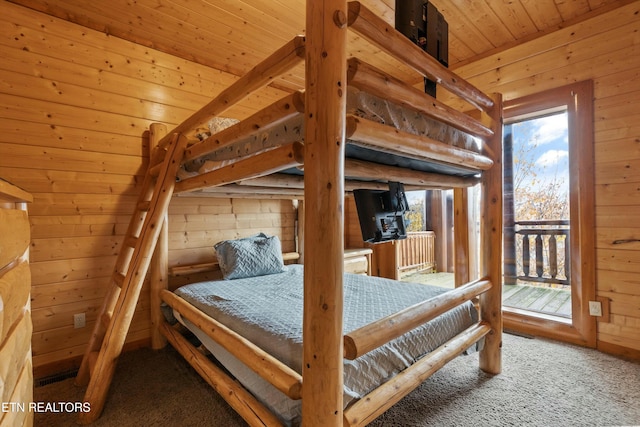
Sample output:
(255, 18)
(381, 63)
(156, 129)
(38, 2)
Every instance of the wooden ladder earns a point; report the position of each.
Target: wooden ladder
(132, 264)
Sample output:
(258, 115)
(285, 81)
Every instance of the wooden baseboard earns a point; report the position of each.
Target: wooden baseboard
(73, 363)
(617, 350)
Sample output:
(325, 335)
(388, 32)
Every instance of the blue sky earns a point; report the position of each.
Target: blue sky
(545, 143)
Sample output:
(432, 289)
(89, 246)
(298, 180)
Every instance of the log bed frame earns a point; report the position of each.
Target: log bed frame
(320, 386)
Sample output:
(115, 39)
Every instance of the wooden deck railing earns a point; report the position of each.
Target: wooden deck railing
(545, 263)
(416, 252)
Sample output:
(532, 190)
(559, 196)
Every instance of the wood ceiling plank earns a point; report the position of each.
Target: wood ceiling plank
(282, 15)
(462, 28)
(543, 13)
(514, 17)
(583, 30)
(480, 16)
(570, 9)
(234, 35)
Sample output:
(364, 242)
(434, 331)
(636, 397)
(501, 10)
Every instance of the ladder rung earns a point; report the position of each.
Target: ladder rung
(144, 206)
(157, 156)
(118, 279)
(105, 319)
(130, 241)
(93, 357)
(155, 170)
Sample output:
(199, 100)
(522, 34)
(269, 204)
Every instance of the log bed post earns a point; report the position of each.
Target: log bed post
(491, 246)
(325, 108)
(159, 270)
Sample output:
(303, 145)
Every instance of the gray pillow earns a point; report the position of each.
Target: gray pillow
(257, 255)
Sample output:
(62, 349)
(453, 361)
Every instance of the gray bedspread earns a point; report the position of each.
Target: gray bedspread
(267, 310)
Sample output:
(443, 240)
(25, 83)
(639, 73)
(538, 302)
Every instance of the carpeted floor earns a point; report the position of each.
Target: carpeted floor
(543, 383)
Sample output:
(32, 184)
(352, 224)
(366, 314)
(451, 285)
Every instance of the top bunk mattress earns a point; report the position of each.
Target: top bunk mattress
(359, 104)
(268, 311)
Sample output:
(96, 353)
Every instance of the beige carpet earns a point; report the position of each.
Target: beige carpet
(542, 384)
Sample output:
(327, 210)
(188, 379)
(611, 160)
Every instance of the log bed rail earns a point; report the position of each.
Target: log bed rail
(375, 334)
(356, 343)
(326, 129)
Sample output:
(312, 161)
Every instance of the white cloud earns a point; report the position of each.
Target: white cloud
(552, 128)
(551, 158)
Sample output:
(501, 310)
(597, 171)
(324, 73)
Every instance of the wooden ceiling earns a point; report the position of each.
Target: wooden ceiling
(234, 35)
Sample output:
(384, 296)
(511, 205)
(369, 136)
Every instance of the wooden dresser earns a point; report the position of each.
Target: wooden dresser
(16, 374)
(358, 261)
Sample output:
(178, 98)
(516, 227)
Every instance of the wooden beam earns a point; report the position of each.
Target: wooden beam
(262, 363)
(391, 140)
(380, 332)
(369, 79)
(265, 119)
(261, 164)
(289, 181)
(243, 402)
(326, 80)
(158, 276)
(12, 194)
(246, 189)
(384, 397)
(281, 61)
(381, 34)
(222, 194)
(281, 180)
(420, 180)
(491, 249)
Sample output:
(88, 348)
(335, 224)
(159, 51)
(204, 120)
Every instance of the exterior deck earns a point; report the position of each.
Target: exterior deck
(552, 301)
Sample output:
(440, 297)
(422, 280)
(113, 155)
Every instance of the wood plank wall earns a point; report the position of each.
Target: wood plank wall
(74, 106)
(607, 50)
(75, 103)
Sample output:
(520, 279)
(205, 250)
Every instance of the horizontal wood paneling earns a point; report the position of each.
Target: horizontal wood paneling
(75, 102)
(196, 224)
(605, 49)
(173, 78)
(74, 105)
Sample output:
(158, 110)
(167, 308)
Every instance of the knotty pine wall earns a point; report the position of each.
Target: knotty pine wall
(75, 103)
(74, 106)
(607, 50)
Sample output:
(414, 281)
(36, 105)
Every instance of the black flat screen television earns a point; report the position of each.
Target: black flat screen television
(423, 24)
(381, 213)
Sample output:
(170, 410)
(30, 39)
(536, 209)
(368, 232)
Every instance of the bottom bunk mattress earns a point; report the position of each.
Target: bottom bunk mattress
(268, 311)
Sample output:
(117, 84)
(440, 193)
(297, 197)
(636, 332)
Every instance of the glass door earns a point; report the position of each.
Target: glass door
(549, 249)
(537, 276)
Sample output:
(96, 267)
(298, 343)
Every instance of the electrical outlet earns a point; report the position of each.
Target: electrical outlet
(79, 321)
(595, 308)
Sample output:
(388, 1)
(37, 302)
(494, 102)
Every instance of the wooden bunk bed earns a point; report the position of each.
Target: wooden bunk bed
(327, 128)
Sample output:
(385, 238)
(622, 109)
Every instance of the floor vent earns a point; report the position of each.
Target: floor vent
(55, 378)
